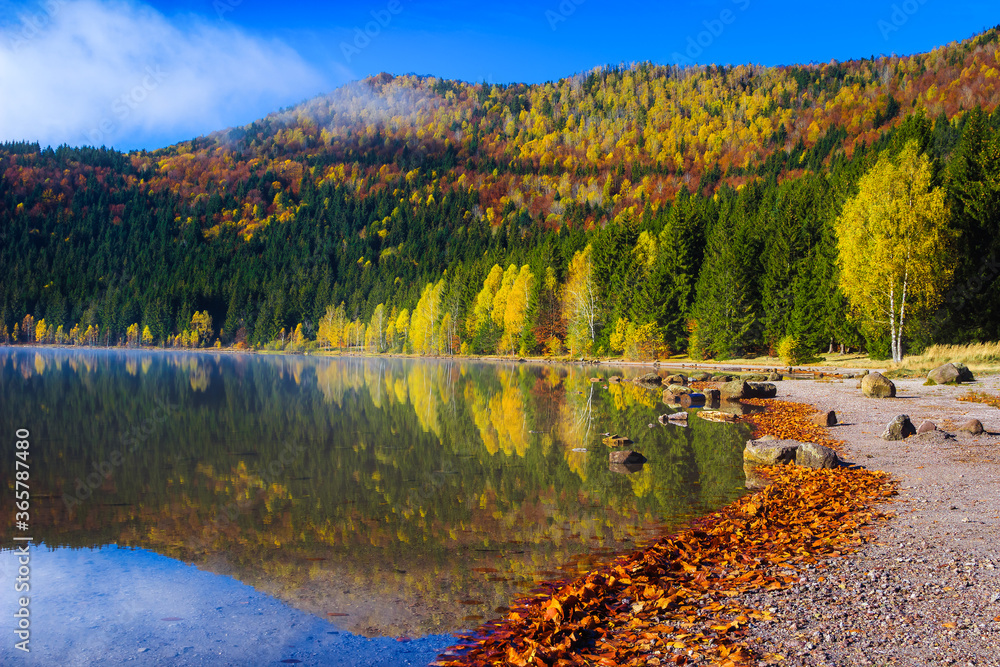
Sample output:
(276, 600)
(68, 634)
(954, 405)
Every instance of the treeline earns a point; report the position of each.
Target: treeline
(722, 275)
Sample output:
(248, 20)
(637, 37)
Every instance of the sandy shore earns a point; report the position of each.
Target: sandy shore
(926, 589)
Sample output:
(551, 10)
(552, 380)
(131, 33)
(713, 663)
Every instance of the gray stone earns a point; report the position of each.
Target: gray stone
(973, 426)
(701, 377)
(811, 455)
(678, 389)
(775, 377)
(734, 390)
(944, 374)
(769, 452)
(899, 428)
(876, 385)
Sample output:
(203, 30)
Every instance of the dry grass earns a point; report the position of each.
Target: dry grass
(979, 357)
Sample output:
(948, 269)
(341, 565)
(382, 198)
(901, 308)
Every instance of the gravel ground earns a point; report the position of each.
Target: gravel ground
(925, 589)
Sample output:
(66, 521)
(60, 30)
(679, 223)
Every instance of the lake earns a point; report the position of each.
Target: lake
(328, 505)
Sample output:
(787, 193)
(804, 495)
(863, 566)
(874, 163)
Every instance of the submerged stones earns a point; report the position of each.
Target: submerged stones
(899, 428)
(616, 441)
(876, 385)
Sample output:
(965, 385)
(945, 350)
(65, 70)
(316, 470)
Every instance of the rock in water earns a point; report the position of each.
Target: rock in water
(899, 428)
(701, 377)
(973, 426)
(876, 385)
(811, 455)
(677, 389)
(626, 456)
(774, 377)
(734, 390)
(926, 426)
(649, 379)
(828, 418)
(677, 378)
(614, 379)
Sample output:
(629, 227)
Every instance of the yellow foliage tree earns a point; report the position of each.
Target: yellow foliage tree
(580, 303)
(893, 239)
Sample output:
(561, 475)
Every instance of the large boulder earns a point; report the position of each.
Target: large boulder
(876, 385)
(676, 378)
(677, 389)
(649, 379)
(735, 390)
(774, 377)
(950, 373)
(899, 428)
(761, 390)
(769, 452)
(701, 377)
(811, 455)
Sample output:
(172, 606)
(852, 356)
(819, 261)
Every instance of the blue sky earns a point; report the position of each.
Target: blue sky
(142, 75)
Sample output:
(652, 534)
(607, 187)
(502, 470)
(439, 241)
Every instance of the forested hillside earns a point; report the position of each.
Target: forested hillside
(632, 209)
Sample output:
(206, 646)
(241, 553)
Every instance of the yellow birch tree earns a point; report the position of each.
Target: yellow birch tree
(893, 239)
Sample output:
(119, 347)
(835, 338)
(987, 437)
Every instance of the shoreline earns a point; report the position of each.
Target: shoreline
(679, 364)
(921, 586)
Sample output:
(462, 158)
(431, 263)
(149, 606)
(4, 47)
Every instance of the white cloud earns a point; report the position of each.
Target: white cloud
(120, 73)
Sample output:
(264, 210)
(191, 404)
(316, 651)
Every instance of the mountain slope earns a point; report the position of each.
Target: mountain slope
(368, 193)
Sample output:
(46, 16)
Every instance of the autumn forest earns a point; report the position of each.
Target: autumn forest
(636, 210)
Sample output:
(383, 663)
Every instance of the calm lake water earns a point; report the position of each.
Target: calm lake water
(388, 497)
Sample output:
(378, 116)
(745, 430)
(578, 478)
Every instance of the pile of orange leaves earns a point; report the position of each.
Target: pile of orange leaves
(981, 397)
(673, 603)
(785, 420)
